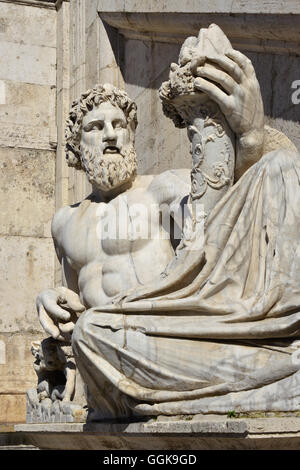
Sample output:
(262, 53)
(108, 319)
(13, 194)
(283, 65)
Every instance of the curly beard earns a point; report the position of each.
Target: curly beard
(109, 171)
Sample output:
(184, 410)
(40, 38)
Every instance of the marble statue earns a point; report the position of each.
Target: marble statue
(100, 262)
(55, 398)
(55, 368)
(209, 324)
(98, 265)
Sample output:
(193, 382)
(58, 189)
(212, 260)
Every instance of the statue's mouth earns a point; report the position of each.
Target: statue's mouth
(111, 149)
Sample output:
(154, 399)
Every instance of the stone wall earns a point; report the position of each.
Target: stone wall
(27, 187)
(160, 146)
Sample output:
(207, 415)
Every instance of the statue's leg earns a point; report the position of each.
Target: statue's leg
(127, 370)
(103, 396)
(130, 367)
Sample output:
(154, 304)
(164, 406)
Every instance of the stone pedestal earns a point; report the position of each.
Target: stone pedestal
(184, 433)
(53, 412)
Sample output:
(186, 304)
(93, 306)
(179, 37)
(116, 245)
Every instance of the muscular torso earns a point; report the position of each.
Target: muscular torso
(115, 246)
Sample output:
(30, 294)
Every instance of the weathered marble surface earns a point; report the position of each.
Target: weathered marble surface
(20, 127)
(234, 295)
(100, 140)
(195, 331)
(55, 398)
(165, 433)
(47, 411)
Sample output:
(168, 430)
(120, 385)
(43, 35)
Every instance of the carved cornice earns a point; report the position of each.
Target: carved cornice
(32, 3)
(51, 4)
(271, 33)
(204, 6)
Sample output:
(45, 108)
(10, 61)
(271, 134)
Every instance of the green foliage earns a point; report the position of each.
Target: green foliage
(232, 414)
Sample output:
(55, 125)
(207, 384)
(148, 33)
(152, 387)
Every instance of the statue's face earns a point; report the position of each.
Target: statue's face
(107, 152)
(105, 128)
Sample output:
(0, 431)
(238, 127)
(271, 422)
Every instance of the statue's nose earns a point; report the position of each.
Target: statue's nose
(109, 132)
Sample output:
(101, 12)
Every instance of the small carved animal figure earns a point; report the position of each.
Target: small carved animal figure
(55, 368)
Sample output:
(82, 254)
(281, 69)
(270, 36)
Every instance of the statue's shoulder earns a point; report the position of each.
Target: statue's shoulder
(180, 176)
(60, 220)
(172, 181)
(164, 187)
(142, 181)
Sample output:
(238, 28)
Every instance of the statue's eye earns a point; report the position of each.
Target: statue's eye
(93, 126)
(118, 124)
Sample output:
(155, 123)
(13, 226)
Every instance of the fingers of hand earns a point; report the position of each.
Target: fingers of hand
(214, 92)
(217, 76)
(74, 304)
(135, 294)
(129, 298)
(118, 299)
(196, 62)
(66, 327)
(228, 66)
(47, 323)
(241, 60)
(70, 299)
(54, 310)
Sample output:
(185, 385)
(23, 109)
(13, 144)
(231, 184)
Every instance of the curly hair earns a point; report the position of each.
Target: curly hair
(93, 97)
(181, 82)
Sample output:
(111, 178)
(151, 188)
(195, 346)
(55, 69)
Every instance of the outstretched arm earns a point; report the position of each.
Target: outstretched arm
(233, 85)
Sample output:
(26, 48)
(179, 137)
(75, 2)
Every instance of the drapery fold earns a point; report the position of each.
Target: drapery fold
(230, 300)
(252, 264)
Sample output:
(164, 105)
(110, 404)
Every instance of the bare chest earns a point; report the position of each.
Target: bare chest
(98, 231)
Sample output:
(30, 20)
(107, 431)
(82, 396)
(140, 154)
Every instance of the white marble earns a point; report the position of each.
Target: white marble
(99, 266)
(168, 433)
(193, 330)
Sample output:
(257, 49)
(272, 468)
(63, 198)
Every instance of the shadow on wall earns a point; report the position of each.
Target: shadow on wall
(145, 65)
(276, 75)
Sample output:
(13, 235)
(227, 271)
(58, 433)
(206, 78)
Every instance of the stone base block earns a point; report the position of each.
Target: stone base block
(196, 433)
(58, 411)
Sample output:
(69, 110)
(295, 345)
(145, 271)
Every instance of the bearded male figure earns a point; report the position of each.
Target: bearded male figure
(220, 330)
(102, 250)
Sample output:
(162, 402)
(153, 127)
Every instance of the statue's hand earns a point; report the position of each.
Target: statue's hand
(233, 85)
(122, 297)
(130, 295)
(58, 309)
(239, 96)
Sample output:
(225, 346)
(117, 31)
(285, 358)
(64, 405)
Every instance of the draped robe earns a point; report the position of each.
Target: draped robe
(220, 331)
